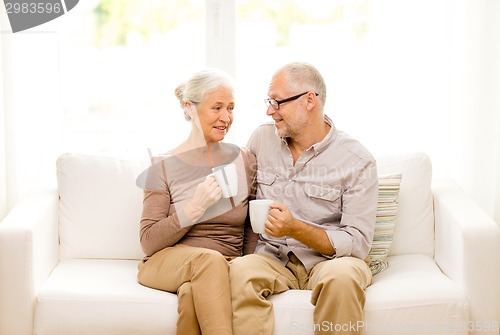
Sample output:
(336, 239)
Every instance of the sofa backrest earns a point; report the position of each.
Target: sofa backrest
(100, 205)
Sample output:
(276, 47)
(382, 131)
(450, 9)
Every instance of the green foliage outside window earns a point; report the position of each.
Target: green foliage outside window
(116, 18)
(285, 13)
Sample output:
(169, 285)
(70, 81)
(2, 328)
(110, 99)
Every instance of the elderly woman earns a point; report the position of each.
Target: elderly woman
(188, 231)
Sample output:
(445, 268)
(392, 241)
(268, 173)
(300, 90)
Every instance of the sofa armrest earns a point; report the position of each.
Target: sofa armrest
(467, 249)
(28, 253)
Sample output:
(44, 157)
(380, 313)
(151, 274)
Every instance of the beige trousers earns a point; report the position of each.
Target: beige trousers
(200, 278)
(337, 292)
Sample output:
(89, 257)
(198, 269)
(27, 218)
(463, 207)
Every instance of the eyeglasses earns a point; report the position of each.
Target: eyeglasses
(276, 104)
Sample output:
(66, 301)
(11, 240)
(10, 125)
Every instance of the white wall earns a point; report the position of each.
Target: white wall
(435, 87)
(496, 215)
(3, 189)
(475, 100)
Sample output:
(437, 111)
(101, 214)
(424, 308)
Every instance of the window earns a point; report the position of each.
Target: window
(328, 34)
(120, 63)
(119, 76)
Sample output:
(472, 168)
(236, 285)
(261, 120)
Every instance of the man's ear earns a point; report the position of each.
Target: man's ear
(312, 100)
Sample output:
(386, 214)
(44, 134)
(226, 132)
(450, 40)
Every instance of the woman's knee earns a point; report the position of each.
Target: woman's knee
(185, 291)
(211, 260)
(212, 256)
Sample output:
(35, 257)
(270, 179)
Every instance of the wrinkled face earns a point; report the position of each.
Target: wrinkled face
(215, 113)
(291, 118)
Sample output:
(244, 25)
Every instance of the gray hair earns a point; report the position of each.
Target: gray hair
(201, 83)
(302, 77)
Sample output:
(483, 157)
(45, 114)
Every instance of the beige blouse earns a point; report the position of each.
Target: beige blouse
(170, 185)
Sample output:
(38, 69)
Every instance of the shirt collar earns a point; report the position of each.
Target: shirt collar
(329, 138)
(323, 144)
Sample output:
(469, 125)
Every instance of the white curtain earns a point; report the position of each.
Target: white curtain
(30, 121)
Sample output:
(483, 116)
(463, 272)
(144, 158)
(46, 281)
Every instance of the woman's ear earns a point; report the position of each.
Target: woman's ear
(188, 107)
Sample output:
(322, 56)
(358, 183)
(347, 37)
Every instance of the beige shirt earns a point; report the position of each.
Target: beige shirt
(171, 183)
(333, 186)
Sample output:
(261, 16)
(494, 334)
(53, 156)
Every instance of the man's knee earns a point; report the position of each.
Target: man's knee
(238, 267)
(244, 269)
(343, 271)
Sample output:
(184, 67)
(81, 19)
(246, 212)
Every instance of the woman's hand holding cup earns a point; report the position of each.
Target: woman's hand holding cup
(207, 193)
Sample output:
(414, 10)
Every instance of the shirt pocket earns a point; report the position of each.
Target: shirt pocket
(325, 197)
(266, 179)
(265, 185)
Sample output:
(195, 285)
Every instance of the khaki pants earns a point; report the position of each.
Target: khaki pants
(337, 292)
(200, 278)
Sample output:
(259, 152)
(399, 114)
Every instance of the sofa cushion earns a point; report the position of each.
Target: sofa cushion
(414, 227)
(412, 292)
(100, 206)
(102, 297)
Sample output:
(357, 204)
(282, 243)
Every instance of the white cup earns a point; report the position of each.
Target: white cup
(227, 178)
(259, 209)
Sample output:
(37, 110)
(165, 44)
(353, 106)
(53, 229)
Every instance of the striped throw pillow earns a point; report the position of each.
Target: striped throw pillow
(388, 186)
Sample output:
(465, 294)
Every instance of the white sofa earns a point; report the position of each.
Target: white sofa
(68, 258)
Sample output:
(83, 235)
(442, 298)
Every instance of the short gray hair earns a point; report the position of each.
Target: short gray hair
(201, 83)
(302, 77)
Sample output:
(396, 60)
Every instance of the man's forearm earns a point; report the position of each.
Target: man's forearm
(313, 237)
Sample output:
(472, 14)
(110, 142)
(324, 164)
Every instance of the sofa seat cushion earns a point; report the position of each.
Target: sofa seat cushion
(102, 297)
(412, 296)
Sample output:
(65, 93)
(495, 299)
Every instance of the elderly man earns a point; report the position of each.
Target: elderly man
(320, 226)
